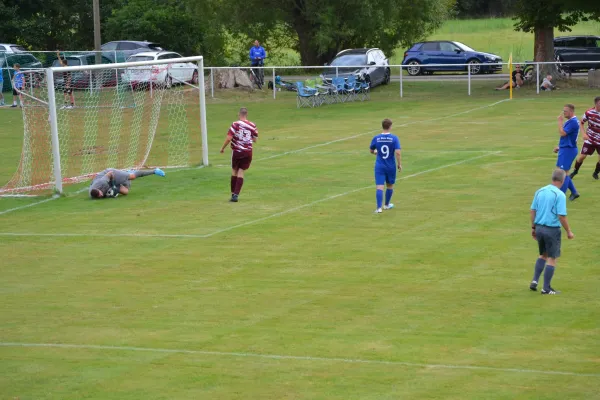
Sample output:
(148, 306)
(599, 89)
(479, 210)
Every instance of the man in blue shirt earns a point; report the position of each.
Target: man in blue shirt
(257, 59)
(386, 147)
(567, 146)
(548, 213)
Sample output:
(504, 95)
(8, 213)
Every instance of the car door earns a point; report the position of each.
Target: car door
(182, 71)
(430, 54)
(593, 51)
(372, 71)
(168, 68)
(452, 55)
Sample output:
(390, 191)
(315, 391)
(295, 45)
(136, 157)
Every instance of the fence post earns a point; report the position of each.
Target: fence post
(274, 88)
(212, 83)
(401, 82)
(336, 72)
(537, 73)
(469, 78)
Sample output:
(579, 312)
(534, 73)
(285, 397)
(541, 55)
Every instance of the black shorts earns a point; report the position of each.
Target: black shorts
(548, 239)
(15, 93)
(67, 90)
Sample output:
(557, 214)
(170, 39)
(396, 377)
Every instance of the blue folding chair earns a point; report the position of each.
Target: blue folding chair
(340, 91)
(305, 97)
(353, 86)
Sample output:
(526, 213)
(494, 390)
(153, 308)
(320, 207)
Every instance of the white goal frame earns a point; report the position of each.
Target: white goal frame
(199, 60)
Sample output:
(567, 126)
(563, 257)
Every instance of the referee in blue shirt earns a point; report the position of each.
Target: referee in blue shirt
(548, 213)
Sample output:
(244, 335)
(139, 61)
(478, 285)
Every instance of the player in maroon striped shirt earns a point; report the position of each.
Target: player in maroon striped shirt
(591, 138)
(242, 134)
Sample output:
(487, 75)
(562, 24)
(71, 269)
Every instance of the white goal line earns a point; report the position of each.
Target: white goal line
(252, 222)
(344, 360)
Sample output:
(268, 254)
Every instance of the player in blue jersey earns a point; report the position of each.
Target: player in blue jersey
(567, 146)
(386, 146)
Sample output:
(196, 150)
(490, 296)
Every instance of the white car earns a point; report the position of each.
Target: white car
(12, 48)
(168, 74)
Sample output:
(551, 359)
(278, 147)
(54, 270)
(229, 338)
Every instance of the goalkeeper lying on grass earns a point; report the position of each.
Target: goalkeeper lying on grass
(112, 182)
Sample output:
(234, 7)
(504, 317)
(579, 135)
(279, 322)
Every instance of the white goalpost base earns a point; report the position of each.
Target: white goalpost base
(126, 116)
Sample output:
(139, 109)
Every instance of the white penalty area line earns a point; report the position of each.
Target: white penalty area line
(293, 358)
(256, 221)
(378, 130)
(54, 197)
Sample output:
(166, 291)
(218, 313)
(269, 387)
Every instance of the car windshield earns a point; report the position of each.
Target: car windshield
(140, 58)
(18, 49)
(463, 46)
(350, 60)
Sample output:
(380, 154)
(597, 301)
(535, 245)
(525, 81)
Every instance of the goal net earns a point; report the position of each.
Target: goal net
(81, 120)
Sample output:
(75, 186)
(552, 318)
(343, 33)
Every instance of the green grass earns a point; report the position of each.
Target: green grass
(441, 280)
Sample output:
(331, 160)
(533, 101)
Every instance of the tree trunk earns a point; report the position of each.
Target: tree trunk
(543, 50)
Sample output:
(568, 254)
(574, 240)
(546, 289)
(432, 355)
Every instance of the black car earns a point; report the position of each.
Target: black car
(376, 70)
(577, 48)
(7, 60)
(83, 79)
(121, 50)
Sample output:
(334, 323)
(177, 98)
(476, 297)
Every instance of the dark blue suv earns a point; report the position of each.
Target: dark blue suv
(421, 54)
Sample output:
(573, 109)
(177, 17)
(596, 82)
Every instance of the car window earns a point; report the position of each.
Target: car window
(164, 57)
(109, 46)
(371, 58)
(381, 55)
(24, 59)
(17, 49)
(416, 47)
(590, 42)
(350, 59)
(431, 46)
(576, 42)
(127, 46)
(140, 58)
(598, 43)
(155, 47)
(449, 47)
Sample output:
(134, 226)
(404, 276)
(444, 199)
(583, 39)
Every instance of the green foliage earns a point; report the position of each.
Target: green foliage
(532, 14)
(323, 27)
(179, 26)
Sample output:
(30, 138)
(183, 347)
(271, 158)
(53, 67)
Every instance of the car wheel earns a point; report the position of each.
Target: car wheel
(475, 66)
(387, 78)
(414, 68)
(195, 78)
(168, 82)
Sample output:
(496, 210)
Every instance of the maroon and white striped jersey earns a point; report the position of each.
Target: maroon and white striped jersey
(592, 117)
(241, 134)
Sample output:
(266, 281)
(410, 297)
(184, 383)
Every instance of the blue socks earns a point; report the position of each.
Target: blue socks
(379, 197)
(568, 184)
(571, 185)
(539, 267)
(548, 273)
(388, 196)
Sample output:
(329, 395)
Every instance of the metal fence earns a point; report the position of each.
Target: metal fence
(531, 73)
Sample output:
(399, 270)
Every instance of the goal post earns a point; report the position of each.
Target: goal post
(79, 120)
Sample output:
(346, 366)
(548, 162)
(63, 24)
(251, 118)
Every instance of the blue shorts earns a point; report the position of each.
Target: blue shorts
(566, 156)
(385, 175)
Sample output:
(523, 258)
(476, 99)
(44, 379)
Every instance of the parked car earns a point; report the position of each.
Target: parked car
(8, 59)
(175, 73)
(421, 54)
(577, 48)
(12, 48)
(82, 79)
(346, 61)
(123, 49)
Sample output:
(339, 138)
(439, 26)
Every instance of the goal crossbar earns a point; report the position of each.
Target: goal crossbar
(195, 59)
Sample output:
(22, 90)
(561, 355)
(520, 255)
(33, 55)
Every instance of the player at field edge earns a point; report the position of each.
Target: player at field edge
(241, 135)
(548, 212)
(112, 182)
(386, 147)
(591, 138)
(567, 146)
(67, 89)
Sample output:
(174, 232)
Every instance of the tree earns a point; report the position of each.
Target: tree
(187, 27)
(324, 27)
(542, 16)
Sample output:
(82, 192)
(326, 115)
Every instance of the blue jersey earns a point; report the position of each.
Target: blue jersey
(386, 145)
(256, 52)
(571, 128)
(18, 79)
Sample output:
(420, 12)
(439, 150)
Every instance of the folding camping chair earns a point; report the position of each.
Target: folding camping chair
(306, 97)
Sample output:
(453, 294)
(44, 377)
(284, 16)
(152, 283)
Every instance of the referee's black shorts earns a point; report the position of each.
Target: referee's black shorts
(548, 238)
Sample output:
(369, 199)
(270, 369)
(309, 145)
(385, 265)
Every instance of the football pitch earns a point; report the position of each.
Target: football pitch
(300, 291)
